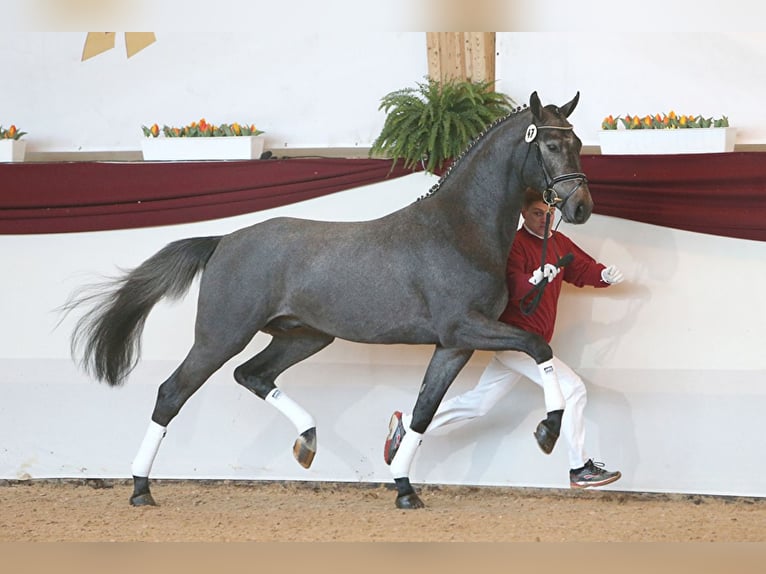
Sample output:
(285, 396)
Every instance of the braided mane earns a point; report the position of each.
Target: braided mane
(435, 187)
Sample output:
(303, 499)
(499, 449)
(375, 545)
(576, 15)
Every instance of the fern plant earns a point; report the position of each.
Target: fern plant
(436, 121)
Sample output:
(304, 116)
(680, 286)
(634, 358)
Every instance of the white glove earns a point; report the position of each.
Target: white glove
(611, 275)
(549, 271)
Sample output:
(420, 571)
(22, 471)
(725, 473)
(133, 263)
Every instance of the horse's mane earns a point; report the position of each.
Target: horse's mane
(470, 146)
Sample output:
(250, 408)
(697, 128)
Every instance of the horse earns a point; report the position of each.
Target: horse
(432, 272)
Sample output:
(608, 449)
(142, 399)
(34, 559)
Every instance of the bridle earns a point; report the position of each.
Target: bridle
(529, 302)
(550, 196)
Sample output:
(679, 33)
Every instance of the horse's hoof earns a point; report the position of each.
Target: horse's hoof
(409, 501)
(142, 500)
(546, 437)
(305, 447)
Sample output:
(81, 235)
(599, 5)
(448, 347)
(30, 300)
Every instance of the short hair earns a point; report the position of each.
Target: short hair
(531, 195)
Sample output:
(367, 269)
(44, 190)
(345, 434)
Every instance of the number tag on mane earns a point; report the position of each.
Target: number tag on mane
(531, 134)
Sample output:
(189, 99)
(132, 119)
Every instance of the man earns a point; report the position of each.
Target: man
(507, 367)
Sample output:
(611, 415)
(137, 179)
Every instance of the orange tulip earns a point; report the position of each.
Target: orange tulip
(235, 127)
(12, 131)
(155, 129)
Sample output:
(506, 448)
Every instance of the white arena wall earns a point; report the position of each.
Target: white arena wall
(672, 358)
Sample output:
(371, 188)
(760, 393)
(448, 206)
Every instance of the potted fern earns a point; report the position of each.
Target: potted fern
(434, 122)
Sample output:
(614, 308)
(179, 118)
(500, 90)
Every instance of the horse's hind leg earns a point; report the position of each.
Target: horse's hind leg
(198, 366)
(442, 370)
(259, 374)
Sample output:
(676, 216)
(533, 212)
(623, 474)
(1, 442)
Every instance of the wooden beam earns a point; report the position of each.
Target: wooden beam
(461, 55)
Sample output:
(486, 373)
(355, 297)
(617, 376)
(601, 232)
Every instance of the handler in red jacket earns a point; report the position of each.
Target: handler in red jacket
(507, 367)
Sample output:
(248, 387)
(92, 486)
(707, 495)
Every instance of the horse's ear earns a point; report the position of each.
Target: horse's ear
(535, 105)
(567, 109)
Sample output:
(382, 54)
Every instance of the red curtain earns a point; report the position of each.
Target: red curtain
(87, 196)
(720, 194)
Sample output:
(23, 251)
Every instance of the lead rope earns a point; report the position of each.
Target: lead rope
(531, 300)
(534, 295)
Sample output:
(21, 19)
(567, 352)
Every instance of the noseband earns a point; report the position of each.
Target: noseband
(550, 196)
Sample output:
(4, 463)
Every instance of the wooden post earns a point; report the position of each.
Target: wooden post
(461, 55)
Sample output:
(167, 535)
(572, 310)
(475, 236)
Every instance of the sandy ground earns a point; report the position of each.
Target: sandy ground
(210, 511)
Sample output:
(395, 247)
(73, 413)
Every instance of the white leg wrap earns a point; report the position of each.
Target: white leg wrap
(142, 464)
(302, 420)
(400, 466)
(554, 399)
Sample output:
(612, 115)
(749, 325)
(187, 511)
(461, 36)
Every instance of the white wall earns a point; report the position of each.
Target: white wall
(320, 88)
(304, 90)
(621, 72)
(672, 358)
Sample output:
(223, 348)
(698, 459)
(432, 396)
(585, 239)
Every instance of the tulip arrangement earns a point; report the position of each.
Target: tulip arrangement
(12, 133)
(202, 129)
(664, 121)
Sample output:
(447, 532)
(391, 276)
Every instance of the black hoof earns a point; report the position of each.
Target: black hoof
(141, 495)
(547, 431)
(305, 447)
(142, 500)
(409, 502)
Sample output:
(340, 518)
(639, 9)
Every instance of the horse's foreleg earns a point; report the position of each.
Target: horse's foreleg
(259, 374)
(442, 370)
(479, 332)
(548, 430)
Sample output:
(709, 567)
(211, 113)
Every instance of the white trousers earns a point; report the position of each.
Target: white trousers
(502, 373)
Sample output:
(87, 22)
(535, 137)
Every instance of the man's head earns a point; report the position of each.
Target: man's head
(534, 210)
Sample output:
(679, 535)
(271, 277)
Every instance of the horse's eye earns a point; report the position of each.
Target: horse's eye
(552, 147)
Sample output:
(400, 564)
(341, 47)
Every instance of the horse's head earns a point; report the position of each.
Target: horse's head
(553, 164)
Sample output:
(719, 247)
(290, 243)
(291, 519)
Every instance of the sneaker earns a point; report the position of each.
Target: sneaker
(592, 474)
(394, 439)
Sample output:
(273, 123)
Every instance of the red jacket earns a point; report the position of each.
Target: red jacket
(524, 258)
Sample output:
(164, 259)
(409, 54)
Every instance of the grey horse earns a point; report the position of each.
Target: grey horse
(431, 273)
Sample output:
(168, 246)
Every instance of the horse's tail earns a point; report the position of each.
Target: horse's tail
(110, 331)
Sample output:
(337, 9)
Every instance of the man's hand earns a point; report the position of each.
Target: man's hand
(611, 275)
(549, 272)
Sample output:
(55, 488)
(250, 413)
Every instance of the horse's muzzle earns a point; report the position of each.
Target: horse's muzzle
(578, 207)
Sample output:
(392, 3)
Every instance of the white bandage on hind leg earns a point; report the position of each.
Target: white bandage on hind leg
(400, 466)
(554, 399)
(302, 420)
(142, 464)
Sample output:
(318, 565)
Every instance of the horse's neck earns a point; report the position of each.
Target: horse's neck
(482, 195)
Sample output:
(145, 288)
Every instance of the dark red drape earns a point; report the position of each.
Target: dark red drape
(721, 194)
(89, 196)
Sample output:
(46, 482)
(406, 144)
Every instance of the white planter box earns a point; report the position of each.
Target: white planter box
(688, 140)
(202, 148)
(12, 150)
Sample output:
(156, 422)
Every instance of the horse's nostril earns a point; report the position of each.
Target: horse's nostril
(582, 213)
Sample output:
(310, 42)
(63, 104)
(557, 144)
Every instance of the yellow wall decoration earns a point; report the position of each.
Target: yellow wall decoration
(461, 56)
(98, 42)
